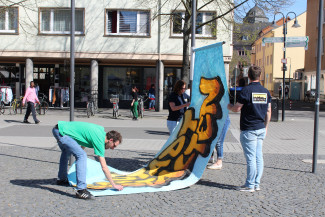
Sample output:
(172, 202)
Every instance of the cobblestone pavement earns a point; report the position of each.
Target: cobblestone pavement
(29, 162)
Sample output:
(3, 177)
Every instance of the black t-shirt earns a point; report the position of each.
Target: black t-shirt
(178, 100)
(255, 99)
(134, 95)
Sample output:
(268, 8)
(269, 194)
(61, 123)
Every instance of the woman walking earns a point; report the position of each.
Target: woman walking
(134, 104)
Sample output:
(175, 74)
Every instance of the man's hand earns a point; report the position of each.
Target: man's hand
(118, 187)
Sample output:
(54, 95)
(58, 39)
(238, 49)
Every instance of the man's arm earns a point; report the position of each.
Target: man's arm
(108, 173)
(235, 108)
(268, 117)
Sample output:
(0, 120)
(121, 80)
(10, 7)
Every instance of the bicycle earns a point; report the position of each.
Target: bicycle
(2, 105)
(43, 105)
(140, 106)
(115, 106)
(17, 104)
(90, 107)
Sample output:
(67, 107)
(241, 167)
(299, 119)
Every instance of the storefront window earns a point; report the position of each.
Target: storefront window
(171, 75)
(119, 80)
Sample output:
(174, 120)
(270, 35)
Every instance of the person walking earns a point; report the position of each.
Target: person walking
(31, 98)
(73, 138)
(134, 103)
(254, 102)
(176, 105)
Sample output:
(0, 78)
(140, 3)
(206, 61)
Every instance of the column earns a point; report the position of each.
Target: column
(227, 73)
(159, 85)
(29, 72)
(94, 81)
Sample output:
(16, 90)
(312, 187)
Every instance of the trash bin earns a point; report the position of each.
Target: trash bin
(275, 109)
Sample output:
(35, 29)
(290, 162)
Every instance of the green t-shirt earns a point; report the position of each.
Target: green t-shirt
(86, 134)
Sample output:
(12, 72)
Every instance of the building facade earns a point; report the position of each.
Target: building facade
(117, 44)
(309, 75)
(269, 56)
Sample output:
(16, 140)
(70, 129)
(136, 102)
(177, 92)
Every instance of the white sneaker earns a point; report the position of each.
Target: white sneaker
(257, 188)
(245, 189)
(215, 167)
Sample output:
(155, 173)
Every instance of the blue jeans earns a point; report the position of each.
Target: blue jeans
(252, 142)
(171, 125)
(152, 103)
(219, 145)
(70, 146)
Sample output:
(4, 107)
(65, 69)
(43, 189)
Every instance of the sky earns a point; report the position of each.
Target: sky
(299, 6)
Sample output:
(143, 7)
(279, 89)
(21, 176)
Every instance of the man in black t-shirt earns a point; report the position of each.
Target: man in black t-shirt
(254, 102)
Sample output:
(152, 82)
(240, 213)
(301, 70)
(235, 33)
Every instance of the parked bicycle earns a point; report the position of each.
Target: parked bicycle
(115, 101)
(17, 105)
(91, 108)
(140, 106)
(2, 104)
(43, 106)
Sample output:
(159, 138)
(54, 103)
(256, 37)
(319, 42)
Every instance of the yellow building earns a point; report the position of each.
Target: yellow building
(269, 57)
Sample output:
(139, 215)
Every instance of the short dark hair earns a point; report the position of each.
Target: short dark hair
(254, 73)
(179, 86)
(116, 136)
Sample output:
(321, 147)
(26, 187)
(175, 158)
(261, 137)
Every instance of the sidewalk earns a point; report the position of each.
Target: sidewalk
(30, 155)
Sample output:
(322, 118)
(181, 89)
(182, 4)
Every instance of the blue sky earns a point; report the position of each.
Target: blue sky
(298, 7)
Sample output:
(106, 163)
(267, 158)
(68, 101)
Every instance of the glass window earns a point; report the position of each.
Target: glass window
(208, 30)
(124, 22)
(58, 21)
(8, 20)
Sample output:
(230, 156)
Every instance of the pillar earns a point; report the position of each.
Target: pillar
(29, 72)
(94, 81)
(159, 85)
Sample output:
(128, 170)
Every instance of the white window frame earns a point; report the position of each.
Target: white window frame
(204, 28)
(7, 30)
(52, 32)
(138, 26)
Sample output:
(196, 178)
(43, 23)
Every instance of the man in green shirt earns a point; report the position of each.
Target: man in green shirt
(72, 138)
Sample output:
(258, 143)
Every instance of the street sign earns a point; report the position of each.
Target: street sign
(284, 61)
(272, 40)
(301, 41)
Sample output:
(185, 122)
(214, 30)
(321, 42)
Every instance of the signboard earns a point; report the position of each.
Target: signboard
(290, 41)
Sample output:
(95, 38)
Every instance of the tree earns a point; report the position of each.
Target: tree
(230, 11)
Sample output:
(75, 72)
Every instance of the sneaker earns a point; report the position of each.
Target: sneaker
(245, 189)
(64, 182)
(83, 194)
(26, 122)
(37, 122)
(257, 188)
(215, 167)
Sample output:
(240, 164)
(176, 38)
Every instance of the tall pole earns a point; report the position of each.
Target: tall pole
(284, 65)
(319, 64)
(193, 42)
(72, 60)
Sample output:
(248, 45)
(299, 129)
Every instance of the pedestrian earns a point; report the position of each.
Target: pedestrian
(219, 146)
(286, 91)
(152, 97)
(134, 103)
(254, 102)
(176, 105)
(280, 91)
(31, 98)
(73, 138)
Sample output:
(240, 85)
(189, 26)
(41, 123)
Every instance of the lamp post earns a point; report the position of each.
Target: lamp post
(284, 68)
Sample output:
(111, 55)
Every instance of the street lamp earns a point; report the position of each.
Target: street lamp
(295, 25)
